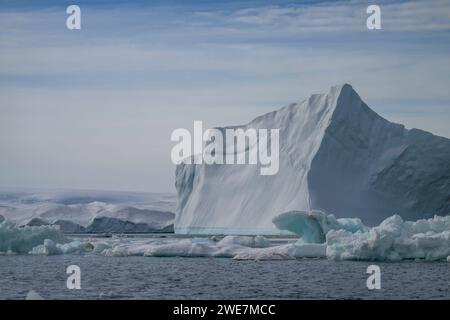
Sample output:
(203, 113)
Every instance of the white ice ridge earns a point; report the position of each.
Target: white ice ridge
(336, 154)
(89, 211)
(394, 239)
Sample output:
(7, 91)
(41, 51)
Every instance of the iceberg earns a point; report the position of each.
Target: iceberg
(14, 239)
(43, 240)
(313, 226)
(252, 242)
(336, 155)
(393, 240)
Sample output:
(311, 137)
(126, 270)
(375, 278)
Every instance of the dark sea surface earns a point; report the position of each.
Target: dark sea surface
(218, 278)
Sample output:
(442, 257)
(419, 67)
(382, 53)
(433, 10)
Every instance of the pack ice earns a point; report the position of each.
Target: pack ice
(320, 236)
(336, 155)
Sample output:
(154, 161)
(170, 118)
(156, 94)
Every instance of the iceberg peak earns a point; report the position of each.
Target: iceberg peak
(336, 155)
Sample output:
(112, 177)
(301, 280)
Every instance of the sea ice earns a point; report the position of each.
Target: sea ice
(283, 252)
(33, 295)
(52, 248)
(345, 239)
(312, 227)
(394, 239)
(246, 241)
(23, 239)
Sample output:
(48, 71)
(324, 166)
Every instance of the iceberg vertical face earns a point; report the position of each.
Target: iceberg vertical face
(336, 155)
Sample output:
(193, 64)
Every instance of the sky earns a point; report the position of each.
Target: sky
(94, 108)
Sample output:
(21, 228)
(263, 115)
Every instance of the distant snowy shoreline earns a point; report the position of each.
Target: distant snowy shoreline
(90, 211)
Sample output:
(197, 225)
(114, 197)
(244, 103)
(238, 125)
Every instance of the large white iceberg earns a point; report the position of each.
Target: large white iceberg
(336, 155)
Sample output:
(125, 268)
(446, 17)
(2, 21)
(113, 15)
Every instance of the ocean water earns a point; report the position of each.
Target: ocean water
(218, 278)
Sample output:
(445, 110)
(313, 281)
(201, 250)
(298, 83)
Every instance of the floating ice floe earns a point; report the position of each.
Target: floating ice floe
(33, 295)
(14, 239)
(312, 227)
(343, 239)
(394, 239)
(51, 248)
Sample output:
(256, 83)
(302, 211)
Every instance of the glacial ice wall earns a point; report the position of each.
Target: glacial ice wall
(336, 155)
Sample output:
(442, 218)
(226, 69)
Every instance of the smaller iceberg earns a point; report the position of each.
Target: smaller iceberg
(393, 240)
(313, 226)
(14, 239)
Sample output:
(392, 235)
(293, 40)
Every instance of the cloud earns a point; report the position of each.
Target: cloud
(332, 17)
(95, 108)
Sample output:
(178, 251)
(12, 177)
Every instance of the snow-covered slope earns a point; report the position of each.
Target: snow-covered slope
(90, 211)
(336, 155)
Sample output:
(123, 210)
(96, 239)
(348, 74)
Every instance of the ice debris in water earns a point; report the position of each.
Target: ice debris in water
(33, 295)
(51, 248)
(16, 239)
(393, 240)
(312, 227)
(321, 236)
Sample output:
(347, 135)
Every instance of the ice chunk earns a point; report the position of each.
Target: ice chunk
(312, 227)
(23, 239)
(246, 241)
(51, 248)
(33, 295)
(301, 223)
(394, 239)
(283, 252)
(183, 248)
(262, 255)
(48, 248)
(99, 247)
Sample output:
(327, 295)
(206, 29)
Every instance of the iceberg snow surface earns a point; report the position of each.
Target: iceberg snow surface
(336, 155)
